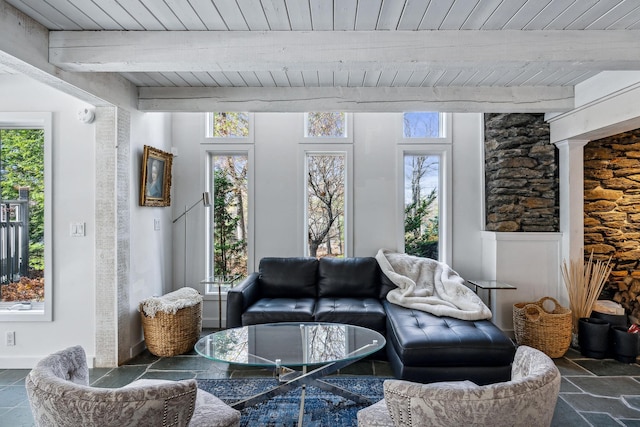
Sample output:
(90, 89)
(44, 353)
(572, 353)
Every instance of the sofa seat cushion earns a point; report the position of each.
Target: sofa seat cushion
(272, 310)
(423, 339)
(366, 312)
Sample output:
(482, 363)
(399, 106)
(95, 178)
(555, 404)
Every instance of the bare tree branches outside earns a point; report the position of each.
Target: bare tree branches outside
(325, 204)
(421, 125)
(422, 185)
(326, 125)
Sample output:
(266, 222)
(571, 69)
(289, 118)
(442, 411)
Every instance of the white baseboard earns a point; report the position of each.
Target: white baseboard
(138, 348)
(22, 362)
(19, 362)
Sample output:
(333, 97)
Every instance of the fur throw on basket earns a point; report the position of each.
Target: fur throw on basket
(171, 302)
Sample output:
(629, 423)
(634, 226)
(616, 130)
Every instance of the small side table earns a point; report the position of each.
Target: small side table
(490, 285)
(221, 282)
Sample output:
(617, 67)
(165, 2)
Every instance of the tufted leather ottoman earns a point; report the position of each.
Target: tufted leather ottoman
(425, 348)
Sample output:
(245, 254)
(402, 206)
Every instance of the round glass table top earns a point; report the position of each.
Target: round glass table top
(290, 344)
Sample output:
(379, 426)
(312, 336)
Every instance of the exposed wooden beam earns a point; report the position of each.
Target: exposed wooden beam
(24, 48)
(300, 99)
(149, 51)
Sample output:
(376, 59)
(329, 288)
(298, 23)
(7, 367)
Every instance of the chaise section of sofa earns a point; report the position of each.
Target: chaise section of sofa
(420, 346)
(427, 348)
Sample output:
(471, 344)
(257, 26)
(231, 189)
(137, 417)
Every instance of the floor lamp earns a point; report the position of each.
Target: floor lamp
(206, 202)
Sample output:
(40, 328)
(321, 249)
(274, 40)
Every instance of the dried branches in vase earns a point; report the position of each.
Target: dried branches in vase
(584, 282)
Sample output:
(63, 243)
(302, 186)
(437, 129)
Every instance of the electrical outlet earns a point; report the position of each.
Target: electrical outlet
(156, 224)
(11, 338)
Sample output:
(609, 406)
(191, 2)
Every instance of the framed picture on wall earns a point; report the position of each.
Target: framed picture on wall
(155, 188)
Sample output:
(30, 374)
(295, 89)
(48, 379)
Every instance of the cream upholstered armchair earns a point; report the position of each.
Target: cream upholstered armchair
(529, 399)
(60, 395)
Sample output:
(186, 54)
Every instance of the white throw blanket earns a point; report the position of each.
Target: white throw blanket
(172, 302)
(432, 286)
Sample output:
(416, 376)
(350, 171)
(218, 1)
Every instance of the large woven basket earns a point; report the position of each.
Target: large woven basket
(168, 334)
(537, 327)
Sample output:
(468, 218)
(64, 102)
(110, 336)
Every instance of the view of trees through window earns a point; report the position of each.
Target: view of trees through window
(22, 215)
(230, 125)
(326, 125)
(325, 207)
(421, 125)
(421, 210)
(230, 215)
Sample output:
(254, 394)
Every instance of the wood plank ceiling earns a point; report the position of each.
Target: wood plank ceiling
(342, 43)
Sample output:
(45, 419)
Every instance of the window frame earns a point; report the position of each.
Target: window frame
(221, 150)
(332, 148)
(43, 312)
(444, 151)
(348, 139)
(229, 139)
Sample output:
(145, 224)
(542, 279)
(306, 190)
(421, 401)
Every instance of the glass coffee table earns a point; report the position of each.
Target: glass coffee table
(299, 353)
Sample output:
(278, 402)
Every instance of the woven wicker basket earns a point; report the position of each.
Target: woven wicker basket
(168, 334)
(547, 331)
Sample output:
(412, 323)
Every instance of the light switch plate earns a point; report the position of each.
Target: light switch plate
(77, 229)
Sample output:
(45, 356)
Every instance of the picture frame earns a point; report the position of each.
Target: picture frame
(155, 179)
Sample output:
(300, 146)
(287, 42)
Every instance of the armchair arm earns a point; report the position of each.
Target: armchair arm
(69, 364)
(56, 401)
(525, 401)
(415, 404)
(240, 297)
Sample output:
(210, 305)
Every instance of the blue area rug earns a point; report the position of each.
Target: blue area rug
(322, 409)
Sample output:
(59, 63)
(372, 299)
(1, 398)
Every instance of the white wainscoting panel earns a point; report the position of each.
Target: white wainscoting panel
(530, 261)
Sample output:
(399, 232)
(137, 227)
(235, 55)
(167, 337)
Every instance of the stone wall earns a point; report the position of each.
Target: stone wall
(612, 212)
(521, 174)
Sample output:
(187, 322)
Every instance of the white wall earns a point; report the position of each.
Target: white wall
(74, 304)
(530, 262)
(73, 201)
(468, 194)
(150, 265)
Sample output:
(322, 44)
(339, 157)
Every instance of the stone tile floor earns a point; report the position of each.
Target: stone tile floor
(594, 392)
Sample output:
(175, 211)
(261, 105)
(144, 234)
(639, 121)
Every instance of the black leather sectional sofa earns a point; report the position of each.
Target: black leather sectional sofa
(420, 346)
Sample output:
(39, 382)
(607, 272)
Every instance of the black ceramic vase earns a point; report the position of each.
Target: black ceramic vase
(624, 344)
(593, 337)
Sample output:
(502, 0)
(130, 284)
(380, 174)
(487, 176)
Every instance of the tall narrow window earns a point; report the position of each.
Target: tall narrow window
(22, 218)
(230, 214)
(325, 204)
(422, 205)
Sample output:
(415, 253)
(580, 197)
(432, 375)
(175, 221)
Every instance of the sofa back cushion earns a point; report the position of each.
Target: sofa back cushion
(288, 277)
(349, 277)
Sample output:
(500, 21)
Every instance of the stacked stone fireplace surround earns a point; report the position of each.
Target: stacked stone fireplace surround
(612, 213)
(522, 194)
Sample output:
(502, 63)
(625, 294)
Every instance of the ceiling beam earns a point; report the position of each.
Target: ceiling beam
(351, 99)
(151, 51)
(24, 49)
